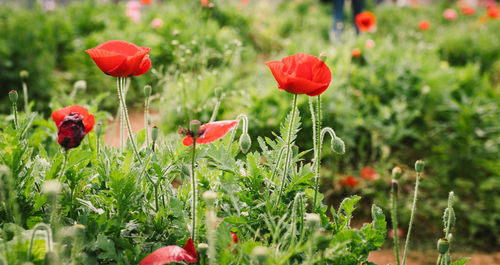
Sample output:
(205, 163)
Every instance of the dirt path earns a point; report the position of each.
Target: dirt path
(112, 136)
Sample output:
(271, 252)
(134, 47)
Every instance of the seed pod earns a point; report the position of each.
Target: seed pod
(13, 96)
(245, 143)
(419, 166)
(443, 245)
(98, 129)
(154, 133)
(338, 145)
(194, 126)
(147, 90)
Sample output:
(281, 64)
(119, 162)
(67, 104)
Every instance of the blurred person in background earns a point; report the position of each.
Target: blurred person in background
(338, 16)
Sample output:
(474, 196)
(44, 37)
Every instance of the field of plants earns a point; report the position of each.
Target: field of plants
(247, 132)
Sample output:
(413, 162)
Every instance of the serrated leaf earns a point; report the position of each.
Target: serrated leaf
(460, 261)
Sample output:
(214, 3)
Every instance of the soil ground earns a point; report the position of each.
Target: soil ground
(382, 257)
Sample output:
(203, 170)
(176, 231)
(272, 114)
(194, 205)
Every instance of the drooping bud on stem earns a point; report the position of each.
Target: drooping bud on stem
(245, 142)
(338, 145)
(13, 96)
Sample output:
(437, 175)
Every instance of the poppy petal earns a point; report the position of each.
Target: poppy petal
(134, 62)
(169, 254)
(108, 62)
(276, 68)
(121, 47)
(187, 141)
(144, 67)
(211, 132)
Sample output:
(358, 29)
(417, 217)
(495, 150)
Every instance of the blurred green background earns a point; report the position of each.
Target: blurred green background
(431, 95)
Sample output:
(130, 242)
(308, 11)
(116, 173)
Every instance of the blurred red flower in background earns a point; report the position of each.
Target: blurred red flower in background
(467, 10)
(146, 2)
(205, 2)
(73, 123)
(450, 14)
(235, 239)
(301, 74)
(424, 25)
(369, 173)
(170, 254)
(210, 132)
(349, 181)
(356, 52)
(366, 21)
(493, 13)
(120, 58)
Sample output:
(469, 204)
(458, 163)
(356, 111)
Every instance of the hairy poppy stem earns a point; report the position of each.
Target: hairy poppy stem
(193, 184)
(413, 208)
(146, 118)
(120, 116)
(14, 111)
(288, 150)
(317, 147)
(127, 122)
(394, 213)
(25, 93)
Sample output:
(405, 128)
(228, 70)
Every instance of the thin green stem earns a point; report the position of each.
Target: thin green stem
(394, 214)
(146, 120)
(193, 184)
(122, 135)
(288, 149)
(448, 225)
(14, 111)
(63, 167)
(413, 209)
(25, 93)
(157, 205)
(98, 145)
(216, 110)
(318, 142)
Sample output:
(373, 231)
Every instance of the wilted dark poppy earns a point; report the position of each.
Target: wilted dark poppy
(120, 58)
(369, 173)
(424, 25)
(349, 181)
(366, 21)
(170, 254)
(301, 74)
(210, 132)
(73, 123)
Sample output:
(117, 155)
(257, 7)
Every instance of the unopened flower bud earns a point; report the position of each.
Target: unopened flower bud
(396, 172)
(51, 187)
(23, 74)
(154, 133)
(338, 145)
(194, 127)
(147, 90)
(260, 254)
(313, 219)
(218, 92)
(419, 166)
(322, 56)
(13, 96)
(209, 197)
(202, 248)
(98, 129)
(443, 245)
(245, 143)
(80, 85)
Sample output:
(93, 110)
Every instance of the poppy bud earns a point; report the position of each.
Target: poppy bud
(80, 85)
(13, 96)
(194, 127)
(396, 172)
(245, 143)
(395, 185)
(260, 254)
(98, 129)
(313, 219)
(23, 74)
(202, 248)
(338, 145)
(443, 245)
(209, 197)
(322, 56)
(50, 258)
(419, 166)
(147, 90)
(154, 133)
(218, 92)
(449, 214)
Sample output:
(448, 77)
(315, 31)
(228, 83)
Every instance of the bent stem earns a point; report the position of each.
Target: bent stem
(193, 184)
(413, 208)
(288, 149)
(394, 216)
(317, 146)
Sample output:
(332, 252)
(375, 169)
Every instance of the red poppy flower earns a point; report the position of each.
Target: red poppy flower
(349, 181)
(301, 74)
(73, 123)
(169, 254)
(356, 53)
(120, 58)
(369, 173)
(467, 10)
(424, 25)
(450, 14)
(493, 13)
(365, 21)
(235, 239)
(210, 132)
